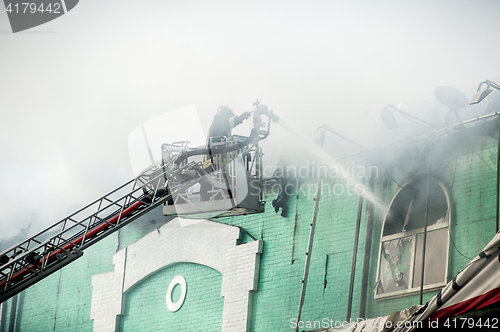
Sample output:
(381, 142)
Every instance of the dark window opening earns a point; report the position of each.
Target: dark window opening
(407, 211)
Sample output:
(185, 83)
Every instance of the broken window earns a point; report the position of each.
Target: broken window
(400, 259)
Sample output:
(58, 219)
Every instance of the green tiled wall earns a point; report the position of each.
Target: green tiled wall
(468, 168)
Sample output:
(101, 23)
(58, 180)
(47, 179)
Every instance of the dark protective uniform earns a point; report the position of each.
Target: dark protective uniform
(221, 126)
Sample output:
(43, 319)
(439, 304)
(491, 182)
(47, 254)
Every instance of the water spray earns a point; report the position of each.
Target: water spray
(326, 159)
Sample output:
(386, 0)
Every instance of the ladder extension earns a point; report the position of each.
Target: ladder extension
(53, 248)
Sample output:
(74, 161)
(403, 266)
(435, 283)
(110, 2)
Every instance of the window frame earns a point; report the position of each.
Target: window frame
(413, 233)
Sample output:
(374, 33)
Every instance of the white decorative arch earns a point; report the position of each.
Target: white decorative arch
(182, 240)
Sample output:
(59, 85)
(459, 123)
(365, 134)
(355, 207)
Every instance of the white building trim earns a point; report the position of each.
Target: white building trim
(181, 240)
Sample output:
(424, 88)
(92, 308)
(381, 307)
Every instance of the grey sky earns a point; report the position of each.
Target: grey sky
(72, 90)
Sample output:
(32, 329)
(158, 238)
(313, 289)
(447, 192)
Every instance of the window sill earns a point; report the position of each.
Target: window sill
(407, 292)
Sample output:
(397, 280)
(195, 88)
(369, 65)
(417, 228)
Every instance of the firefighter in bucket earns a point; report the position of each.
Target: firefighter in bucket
(219, 131)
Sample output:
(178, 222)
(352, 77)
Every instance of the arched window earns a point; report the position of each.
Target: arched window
(399, 269)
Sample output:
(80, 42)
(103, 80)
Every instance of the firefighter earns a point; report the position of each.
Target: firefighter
(221, 126)
(220, 129)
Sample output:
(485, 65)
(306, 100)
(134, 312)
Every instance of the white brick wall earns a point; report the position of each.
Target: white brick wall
(181, 240)
(107, 295)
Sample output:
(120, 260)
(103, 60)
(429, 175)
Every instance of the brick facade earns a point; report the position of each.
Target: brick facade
(465, 161)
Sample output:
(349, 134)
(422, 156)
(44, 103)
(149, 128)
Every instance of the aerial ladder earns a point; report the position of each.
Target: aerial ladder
(173, 182)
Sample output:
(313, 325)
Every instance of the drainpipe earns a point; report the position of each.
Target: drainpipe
(425, 226)
(309, 249)
(13, 309)
(2, 316)
(498, 174)
(319, 140)
(368, 246)
(354, 255)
